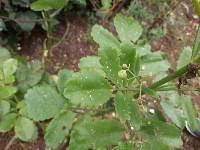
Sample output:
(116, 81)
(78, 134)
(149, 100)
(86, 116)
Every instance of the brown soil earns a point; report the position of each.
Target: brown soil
(77, 44)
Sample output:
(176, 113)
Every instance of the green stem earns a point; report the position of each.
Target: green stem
(170, 77)
(48, 25)
(196, 6)
(196, 46)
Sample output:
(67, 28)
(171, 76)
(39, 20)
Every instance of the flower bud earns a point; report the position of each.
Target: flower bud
(122, 74)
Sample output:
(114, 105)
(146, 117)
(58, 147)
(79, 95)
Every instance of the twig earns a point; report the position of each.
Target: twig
(117, 9)
(63, 37)
(10, 143)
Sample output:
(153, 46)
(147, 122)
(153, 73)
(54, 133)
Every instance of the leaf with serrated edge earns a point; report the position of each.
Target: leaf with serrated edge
(122, 108)
(43, 102)
(7, 92)
(184, 58)
(9, 67)
(7, 122)
(173, 114)
(190, 112)
(95, 134)
(4, 107)
(58, 129)
(103, 37)
(110, 61)
(127, 28)
(25, 129)
(127, 55)
(88, 88)
(63, 76)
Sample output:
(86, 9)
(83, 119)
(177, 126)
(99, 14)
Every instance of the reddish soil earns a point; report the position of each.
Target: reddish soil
(78, 44)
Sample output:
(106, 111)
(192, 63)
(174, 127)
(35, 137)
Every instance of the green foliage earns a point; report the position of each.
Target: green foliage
(26, 20)
(43, 102)
(114, 95)
(110, 61)
(190, 113)
(4, 107)
(88, 88)
(19, 16)
(7, 122)
(97, 134)
(127, 28)
(103, 37)
(58, 129)
(184, 58)
(196, 46)
(25, 129)
(45, 5)
(28, 75)
(63, 76)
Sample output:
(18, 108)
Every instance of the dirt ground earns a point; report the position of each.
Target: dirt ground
(77, 44)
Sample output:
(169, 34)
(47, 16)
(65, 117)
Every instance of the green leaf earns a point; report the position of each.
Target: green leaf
(63, 76)
(196, 6)
(4, 107)
(153, 144)
(135, 116)
(7, 122)
(9, 79)
(29, 75)
(150, 92)
(127, 55)
(136, 65)
(9, 67)
(127, 28)
(58, 129)
(106, 4)
(110, 61)
(168, 134)
(26, 20)
(173, 114)
(125, 146)
(122, 106)
(184, 58)
(190, 113)
(163, 132)
(43, 102)
(91, 62)
(127, 108)
(154, 66)
(46, 5)
(7, 92)
(25, 129)
(22, 3)
(95, 134)
(4, 55)
(22, 108)
(88, 88)
(2, 25)
(143, 49)
(196, 46)
(103, 37)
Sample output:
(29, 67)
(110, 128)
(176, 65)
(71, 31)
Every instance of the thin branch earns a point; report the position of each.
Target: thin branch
(12, 140)
(63, 37)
